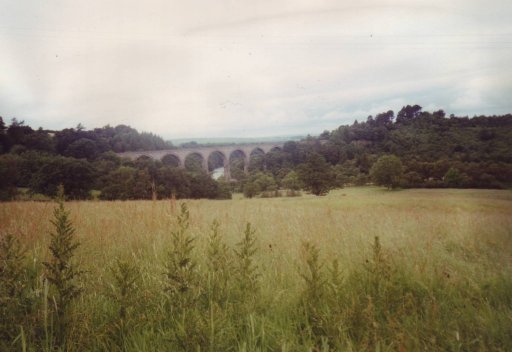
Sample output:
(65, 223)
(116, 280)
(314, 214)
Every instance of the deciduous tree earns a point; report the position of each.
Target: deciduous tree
(316, 175)
(387, 171)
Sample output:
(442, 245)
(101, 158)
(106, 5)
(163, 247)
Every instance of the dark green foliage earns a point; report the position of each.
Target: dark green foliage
(429, 144)
(408, 113)
(3, 137)
(426, 141)
(453, 178)
(126, 183)
(387, 171)
(251, 189)
(77, 176)
(223, 189)
(203, 186)
(40, 140)
(61, 272)
(173, 181)
(322, 302)
(20, 305)
(259, 182)
(41, 170)
(13, 289)
(292, 181)
(10, 166)
(194, 163)
(257, 162)
(124, 291)
(83, 148)
(137, 182)
(16, 133)
(316, 175)
(77, 141)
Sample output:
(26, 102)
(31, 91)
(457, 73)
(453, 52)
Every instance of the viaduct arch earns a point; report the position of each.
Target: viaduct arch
(180, 154)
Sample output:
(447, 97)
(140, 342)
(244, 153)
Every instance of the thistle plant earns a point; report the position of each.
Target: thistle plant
(61, 272)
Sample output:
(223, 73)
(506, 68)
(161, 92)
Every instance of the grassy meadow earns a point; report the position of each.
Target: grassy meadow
(361, 269)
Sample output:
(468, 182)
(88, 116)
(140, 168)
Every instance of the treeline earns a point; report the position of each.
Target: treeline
(429, 150)
(433, 151)
(81, 160)
(77, 142)
(113, 177)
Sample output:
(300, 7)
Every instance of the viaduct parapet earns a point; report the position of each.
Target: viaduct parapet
(226, 152)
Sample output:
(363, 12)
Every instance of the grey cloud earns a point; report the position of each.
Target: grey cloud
(249, 68)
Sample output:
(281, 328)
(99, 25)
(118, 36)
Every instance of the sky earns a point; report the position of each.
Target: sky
(226, 68)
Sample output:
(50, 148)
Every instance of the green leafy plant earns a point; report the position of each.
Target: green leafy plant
(219, 270)
(181, 266)
(247, 270)
(123, 292)
(219, 264)
(313, 295)
(183, 287)
(61, 272)
(12, 288)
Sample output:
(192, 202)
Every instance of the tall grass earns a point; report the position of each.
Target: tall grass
(360, 269)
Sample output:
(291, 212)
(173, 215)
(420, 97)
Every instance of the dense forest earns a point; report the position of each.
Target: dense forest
(415, 148)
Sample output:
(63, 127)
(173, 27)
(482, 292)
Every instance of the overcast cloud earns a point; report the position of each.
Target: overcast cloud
(249, 68)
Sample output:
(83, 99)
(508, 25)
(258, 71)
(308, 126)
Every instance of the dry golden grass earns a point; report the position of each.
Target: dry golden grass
(427, 228)
(462, 234)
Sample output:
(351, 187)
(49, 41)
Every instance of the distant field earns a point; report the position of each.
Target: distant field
(441, 281)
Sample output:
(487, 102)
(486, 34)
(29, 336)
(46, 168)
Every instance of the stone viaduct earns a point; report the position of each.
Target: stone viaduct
(226, 152)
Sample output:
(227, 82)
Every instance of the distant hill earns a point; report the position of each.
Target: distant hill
(234, 140)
